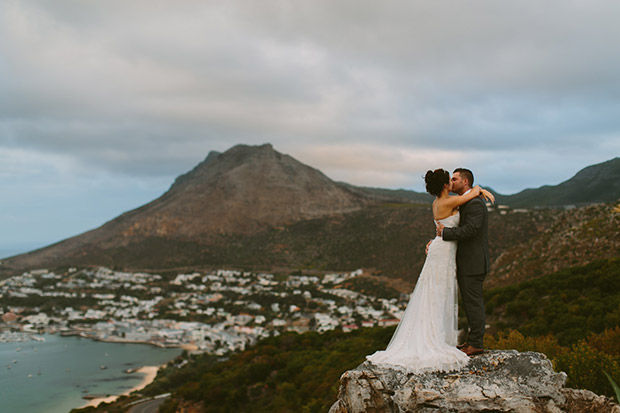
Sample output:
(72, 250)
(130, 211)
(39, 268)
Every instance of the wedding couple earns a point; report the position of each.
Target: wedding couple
(426, 337)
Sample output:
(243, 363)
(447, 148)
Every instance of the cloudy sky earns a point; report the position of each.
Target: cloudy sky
(103, 102)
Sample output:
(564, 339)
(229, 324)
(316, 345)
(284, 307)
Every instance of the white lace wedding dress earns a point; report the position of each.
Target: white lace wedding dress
(426, 336)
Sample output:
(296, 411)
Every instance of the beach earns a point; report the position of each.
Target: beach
(150, 372)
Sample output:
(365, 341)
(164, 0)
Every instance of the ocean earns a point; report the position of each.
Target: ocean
(52, 376)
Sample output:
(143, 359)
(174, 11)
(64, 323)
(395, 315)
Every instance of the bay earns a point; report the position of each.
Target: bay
(53, 376)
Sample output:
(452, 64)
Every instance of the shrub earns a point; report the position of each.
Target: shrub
(584, 367)
(584, 363)
(607, 342)
(513, 339)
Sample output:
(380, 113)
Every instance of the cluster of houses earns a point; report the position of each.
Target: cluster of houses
(215, 311)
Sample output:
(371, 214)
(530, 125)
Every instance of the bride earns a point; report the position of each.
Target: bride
(426, 336)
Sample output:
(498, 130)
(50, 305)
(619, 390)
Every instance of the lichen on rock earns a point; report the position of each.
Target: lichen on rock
(496, 381)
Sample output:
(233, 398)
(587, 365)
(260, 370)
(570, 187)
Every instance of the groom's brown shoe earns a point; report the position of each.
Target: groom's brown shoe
(472, 351)
(462, 346)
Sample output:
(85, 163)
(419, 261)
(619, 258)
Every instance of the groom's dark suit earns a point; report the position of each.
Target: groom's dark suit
(472, 263)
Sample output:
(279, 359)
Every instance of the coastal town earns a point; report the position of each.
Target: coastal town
(214, 312)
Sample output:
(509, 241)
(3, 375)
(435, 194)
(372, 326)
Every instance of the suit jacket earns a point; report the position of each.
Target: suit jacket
(472, 254)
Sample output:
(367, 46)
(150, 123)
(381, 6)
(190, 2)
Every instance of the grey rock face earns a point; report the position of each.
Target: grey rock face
(496, 381)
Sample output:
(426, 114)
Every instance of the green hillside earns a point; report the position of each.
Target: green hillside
(595, 183)
(389, 238)
(566, 239)
(289, 373)
(570, 304)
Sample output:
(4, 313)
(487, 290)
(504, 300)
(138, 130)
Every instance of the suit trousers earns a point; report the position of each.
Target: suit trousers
(470, 287)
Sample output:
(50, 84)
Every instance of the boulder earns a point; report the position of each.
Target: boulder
(496, 381)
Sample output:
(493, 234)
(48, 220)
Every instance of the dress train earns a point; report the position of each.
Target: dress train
(426, 336)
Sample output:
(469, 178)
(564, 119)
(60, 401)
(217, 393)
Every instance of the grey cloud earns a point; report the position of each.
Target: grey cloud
(148, 88)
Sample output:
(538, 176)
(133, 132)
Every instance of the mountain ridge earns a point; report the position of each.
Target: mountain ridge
(254, 203)
(598, 183)
(592, 184)
(240, 191)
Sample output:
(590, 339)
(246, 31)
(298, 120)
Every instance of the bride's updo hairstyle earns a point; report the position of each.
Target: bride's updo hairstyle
(435, 180)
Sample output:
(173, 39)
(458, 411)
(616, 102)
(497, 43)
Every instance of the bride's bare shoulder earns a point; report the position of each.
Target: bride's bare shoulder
(443, 208)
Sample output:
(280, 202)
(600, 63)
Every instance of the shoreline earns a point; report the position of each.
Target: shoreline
(118, 340)
(150, 372)
(63, 373)
(184, 346)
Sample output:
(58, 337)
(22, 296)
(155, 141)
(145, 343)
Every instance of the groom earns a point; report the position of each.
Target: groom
(472, 258)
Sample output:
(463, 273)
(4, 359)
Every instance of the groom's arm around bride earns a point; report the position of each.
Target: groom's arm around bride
(472, 256)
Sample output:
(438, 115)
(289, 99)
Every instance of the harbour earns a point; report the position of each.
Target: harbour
(56, 374)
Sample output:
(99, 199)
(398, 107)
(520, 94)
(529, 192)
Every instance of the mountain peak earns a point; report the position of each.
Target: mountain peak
(233, 157)
(265, 147)
(242, 191)
(260, 184)
(241, 153)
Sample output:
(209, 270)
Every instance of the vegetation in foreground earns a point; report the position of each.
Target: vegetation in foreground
(300, 373)
(584, 362)
(571, 316)
(569, 304)
(289, 373)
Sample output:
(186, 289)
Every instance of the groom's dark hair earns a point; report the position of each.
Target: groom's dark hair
(467, 174)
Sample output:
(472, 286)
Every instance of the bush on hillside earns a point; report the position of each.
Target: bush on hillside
(583, 362)
(569, 304)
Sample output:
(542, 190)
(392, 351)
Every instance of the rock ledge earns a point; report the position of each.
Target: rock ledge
(496, 381)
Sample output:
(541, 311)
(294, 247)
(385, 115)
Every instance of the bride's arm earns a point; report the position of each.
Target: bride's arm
(454, 201)
(488, 196)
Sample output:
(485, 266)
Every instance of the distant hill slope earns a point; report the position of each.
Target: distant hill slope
(593, 184)
(388, 238)
(393, 194)
(241, 191)
(573, 237)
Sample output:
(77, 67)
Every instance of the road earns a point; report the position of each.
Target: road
(150, 406)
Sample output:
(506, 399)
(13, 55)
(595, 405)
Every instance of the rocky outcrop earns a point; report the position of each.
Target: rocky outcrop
(496, 381)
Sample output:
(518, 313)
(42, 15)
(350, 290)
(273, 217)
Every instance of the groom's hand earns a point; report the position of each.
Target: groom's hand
(427, 246)
(439, 229)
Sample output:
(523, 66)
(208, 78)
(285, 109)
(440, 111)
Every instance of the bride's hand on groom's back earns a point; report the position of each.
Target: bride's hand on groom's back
(488, 196)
